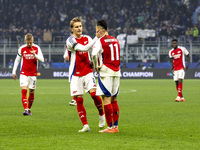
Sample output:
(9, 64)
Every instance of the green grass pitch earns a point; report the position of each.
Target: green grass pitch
(149, 118)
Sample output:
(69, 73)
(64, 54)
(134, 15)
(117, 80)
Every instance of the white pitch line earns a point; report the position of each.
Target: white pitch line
(129, 91)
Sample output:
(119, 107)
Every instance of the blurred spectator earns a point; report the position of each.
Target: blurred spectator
(123, 65)
(45, 64)
(195, 33)
(167, 17)
(10, 64)
(47, 35)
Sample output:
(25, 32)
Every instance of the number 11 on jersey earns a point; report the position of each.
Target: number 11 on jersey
(112, 48)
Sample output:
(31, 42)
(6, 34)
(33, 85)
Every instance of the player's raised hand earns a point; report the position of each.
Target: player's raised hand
(100, 33)
(14, 76)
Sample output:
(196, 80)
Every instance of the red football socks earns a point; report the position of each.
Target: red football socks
(24, 99)
(180, 87)
(115, 112)
(81, 110)
(30, 100)
(74, 98)
(109, 114)
(177, 87)
(97, 102)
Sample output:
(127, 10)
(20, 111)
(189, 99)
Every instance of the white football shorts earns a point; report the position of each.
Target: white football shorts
(79, 84)
(29, 81)
(179, 74)
(108, 86)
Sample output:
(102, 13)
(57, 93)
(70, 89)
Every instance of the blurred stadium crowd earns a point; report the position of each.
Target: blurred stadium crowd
(50, 18)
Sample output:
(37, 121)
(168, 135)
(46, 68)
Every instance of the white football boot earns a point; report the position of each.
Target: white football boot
(101, 121)
(86, 128)
(73, 103)
(178, 99)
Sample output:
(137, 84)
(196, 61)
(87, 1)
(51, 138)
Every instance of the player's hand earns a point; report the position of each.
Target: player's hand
(186, 68)
(173, 71)
(32, 52)
(100, 33)
(14, 76)
(98, 69)
(91, 64)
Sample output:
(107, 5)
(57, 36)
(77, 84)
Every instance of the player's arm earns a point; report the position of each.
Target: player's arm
(188, 58)
(188, 62)
(16, 63)
(79, 47)
(171, 62)
(96, 49)
(38, 56)
(66, 55)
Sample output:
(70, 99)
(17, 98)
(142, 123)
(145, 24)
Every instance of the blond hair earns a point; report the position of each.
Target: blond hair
(73, 21)
(28, 36)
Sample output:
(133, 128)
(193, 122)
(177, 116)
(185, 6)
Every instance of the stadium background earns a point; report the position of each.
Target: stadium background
(144, 28)
(149, 117)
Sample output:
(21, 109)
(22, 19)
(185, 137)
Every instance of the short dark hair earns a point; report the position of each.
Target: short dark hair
(175, 40)
(103, 24)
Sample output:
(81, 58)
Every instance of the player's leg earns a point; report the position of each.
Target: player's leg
(109, 115)
(115, 113)
(97, 101)
(90, 85)
(82, 113)
(180, 84)
(73, 102)
(24, 86)
(177, 84)
(115, 103)
(32, 86)
(76, 87)
(30, 100)
(99, 106)
(104, 88)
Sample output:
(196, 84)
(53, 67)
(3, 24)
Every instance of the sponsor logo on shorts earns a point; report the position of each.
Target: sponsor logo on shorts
(74, 92)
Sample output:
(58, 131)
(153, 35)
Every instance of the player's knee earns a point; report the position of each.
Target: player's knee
(114, 101)
(79, 100)
(93, 95)
(180, 80)
(31, 91)
(24, 91)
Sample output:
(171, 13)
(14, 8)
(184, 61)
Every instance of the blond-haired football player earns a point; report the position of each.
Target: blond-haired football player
(29, 54)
